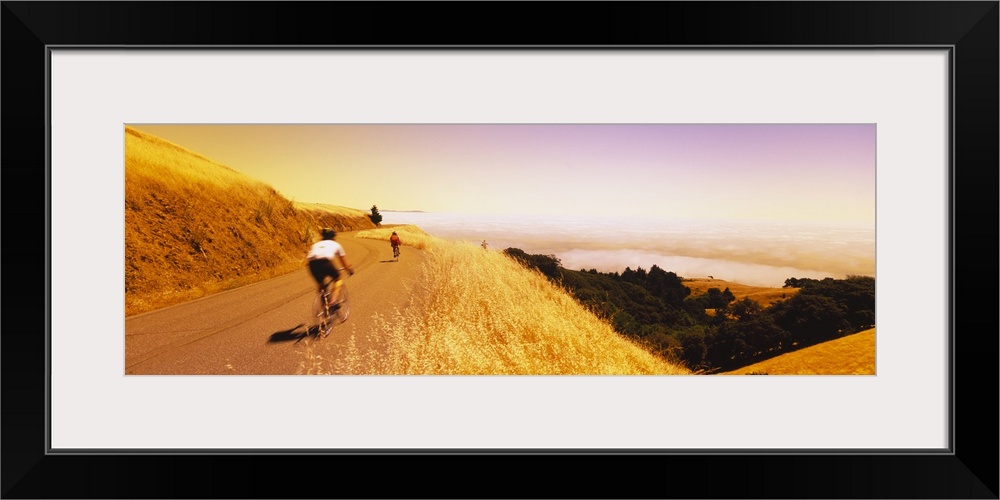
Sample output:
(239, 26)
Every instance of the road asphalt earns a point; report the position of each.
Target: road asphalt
(262, 329)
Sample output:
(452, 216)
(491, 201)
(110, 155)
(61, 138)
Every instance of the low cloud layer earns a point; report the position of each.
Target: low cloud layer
(752, 253)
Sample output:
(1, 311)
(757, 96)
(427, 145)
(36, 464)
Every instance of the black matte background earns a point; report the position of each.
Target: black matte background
(971, 27)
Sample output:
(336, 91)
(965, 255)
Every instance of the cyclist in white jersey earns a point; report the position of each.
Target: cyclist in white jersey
(321, 260)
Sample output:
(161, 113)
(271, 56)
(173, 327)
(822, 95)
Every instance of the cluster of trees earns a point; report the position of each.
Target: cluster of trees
(548, 265)
(822, 310)
(655, 308)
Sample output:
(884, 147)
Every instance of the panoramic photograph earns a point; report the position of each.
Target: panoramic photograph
(500, 249)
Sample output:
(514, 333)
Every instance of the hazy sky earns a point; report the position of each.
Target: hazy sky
(777, 172)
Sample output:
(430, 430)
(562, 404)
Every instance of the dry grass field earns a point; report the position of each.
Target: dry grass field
(411, 236)
(194, 227)
(850, 355)
(479, 312)
(333, 209)
(763, 295)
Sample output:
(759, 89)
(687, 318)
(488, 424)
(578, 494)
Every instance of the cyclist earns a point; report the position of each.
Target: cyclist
(394, 241)
(321, 259)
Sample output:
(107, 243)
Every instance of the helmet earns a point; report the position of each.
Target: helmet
(394, 232)
(328, 233)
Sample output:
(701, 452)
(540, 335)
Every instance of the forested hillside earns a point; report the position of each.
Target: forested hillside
(714, 330)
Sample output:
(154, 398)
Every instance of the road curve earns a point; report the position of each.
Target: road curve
(261, 329)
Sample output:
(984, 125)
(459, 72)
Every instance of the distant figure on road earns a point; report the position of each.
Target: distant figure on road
(394, 241)
(485, 245)
(321, 259)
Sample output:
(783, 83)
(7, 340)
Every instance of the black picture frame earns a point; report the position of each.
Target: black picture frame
(969, 28)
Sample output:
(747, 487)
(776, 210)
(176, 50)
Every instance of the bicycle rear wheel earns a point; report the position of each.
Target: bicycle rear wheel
(321, 316)
(340, 314)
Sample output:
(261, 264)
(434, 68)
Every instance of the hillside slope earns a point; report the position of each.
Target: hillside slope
(850, 355)
(195, 227)
(764, 296)
(480, 312)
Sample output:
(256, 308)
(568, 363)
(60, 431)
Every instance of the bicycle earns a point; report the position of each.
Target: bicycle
(328, 314)
(395, 252)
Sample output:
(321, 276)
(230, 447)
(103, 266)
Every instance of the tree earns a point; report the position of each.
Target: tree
(744, 309)
(694, 348)
(811, 319)
(549, 265)
(667, 286)
(717, 299)
(376, 217)
(625, 323)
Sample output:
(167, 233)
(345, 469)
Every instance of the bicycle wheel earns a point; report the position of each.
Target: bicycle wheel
(395, 253)
(321, 316)
(339, 315)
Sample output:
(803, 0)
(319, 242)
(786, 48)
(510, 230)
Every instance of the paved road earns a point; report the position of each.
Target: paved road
(261, 329)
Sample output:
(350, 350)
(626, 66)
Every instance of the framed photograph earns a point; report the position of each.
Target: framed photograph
(873, 114)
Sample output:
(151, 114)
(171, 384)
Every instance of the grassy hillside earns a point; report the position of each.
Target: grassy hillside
(411, 236)
(194, 227)
(479, 312)
(764, 296)
(850, 355)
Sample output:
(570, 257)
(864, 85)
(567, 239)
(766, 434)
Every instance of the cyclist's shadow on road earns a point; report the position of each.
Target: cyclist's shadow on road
(390, 261)
(293, 335)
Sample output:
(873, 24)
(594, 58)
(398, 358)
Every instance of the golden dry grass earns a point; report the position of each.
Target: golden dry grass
(850, 355)
(478, 312)
(409, 235)
(195, 227)
(763, 295)
(333, 209)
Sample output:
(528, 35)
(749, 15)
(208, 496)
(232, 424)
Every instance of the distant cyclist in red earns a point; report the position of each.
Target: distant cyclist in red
(394, 241)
